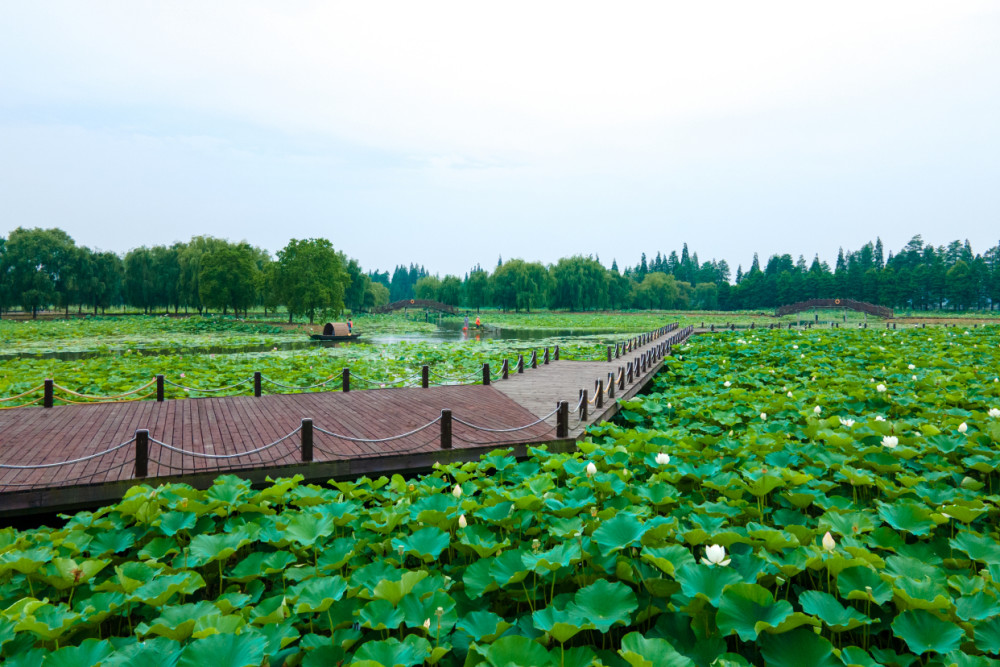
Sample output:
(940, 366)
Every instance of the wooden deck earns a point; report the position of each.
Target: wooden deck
(383, 431)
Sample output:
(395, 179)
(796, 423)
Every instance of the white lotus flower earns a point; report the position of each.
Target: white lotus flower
(890, 441)
(911, 367)
(462, 522)
(828, 542)
(427, 624)
(715, 554)
(591, 469)
(963, 427)
(994, 413)
(914, 378)
(457, 491)
(763, 416)
(879, 418)
(789, 394)
(795, 347)
(817, 409)
(727, 383)
(670, 406)
(662, 458)
(880, 387)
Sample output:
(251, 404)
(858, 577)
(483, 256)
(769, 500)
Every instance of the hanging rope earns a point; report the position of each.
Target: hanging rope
(201, 455)
(376, 440)
(41, 466)
(504, 430)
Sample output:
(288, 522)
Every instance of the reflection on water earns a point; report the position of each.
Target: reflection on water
(452, 331)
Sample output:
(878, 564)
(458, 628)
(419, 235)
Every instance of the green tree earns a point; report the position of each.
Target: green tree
(427, 288)
(450, 290)
(477, 289)
(311, 278)
(36, 264)
(229, 278)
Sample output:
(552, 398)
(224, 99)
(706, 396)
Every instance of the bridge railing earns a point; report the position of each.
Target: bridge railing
(848, 304)
(415, 303)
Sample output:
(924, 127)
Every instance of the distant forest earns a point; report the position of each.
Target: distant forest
(44, 268)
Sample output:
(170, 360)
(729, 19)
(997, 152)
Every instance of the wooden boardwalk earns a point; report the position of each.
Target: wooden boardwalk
(74, 456)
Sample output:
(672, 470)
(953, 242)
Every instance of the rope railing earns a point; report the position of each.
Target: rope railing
(42, 466)
(378, 440)
(103, 398)
(232, 386)
(312, 386)
(87, 476)
(201, 455)
(22, 395)
(505, 430)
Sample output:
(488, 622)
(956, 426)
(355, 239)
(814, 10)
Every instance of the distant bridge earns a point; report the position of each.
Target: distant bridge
(849, 304)
(417, 303)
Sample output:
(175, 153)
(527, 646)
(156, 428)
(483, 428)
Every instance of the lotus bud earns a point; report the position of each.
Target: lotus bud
(763, 416)
(591, 469)
(789, 394)
(462, 522)
(427, 624)
(870, 592)
(817, 409)
(457, 491)
(662, 458)
(828, 542)
(963, 427)
(535, 546)
(593, 511)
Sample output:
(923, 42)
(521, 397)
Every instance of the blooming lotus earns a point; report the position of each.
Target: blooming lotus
(828, 542)
(994, 412)
(789, 394)
(591, 469)
(715, 554)
(727, 383)
(914, 378)
(817, 409)
(795, 347)
(847, 422)
(662, 458)
(890, 441)
(427, 624)
(911, 367)
(457, 491)
(880, 387)
(963, 427)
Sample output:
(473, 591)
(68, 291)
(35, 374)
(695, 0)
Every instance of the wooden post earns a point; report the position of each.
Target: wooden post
(141, 453)
(628, 376)
(599, 403)
(556, 356)
(520, 363)
(47, 395)
(256, 384)
(617, 346)
(346, 383)
(611, 385)
(534, 358)
(609, 354)
(425, 376)
(306, 438)
(621, 378)
(583, 406)
(486, 375)
(546, 359)
(159, 388)
(562, 419)
(505, 368)
(446, 429)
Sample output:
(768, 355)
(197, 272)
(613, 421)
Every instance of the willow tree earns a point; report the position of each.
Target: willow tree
(311, 278)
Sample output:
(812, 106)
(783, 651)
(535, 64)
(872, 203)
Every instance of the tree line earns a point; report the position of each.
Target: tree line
(44, 268)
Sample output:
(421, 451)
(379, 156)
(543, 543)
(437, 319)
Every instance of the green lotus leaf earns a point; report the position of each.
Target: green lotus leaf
(966, 513)
(210, 548)
(394, 653)
(730, 660)
(65, 573)
(977, 547)
(417, 609)
(667, 559)
(48, 622)
(306, 528)
(483, 626)
(514, 650)
(852, 656)
(563, 555)
(847, 524)
(621, 532)
(837, 617)
(797, 648)
(481, 540)
(922, 594)
(853, 583)
(478, 579)
(220, 624)
(259, 563)
(959, 658)
(908, 517)
(336, 554)
(508, 568)
(393, 590)
(561, 624)
(228, 490)
(380, 615)
(98, 606)
(269, 611)
(977, 607)
(427, 543)
(88, 653)
(923, 631)
(158, 549)
(639, 651)
(26, 561)
(604, 604)
(172, 523)
(158, 591)
(225, 650)
(317, 595)
(156, 652)
(747, 609)
(177, 622)
(111, 542)
(706, 581)
(987, 635)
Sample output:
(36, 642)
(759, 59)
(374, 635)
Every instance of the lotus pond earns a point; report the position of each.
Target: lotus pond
(824, 498)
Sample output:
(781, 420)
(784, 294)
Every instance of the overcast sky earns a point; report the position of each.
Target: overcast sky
(449, 134)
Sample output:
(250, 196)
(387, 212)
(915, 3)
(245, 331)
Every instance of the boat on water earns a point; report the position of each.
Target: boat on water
(336, 332)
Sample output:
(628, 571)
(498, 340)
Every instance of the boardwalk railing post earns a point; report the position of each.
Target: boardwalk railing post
(425, 376)
(141, 453)
(446, 429)
(609, 353)
(486, 375)
(584, 403)
(611, 385)
(599, 403)
(545, 360)
(520, 363)
(346, 381)
(256, 384)
(628, 378)
(159, 388)
(534, 358)
(47, 396)
(617, 347)
(621, 378)
(306, 434)
(562, 420)
(556, 357)
(505, 369)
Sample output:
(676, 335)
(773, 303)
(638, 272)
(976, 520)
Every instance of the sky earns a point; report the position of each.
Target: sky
(451, 134)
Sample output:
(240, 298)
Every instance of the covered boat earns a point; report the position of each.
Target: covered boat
(336, 331)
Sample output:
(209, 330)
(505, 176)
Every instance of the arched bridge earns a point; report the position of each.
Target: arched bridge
(417, 303)
(849, 304)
